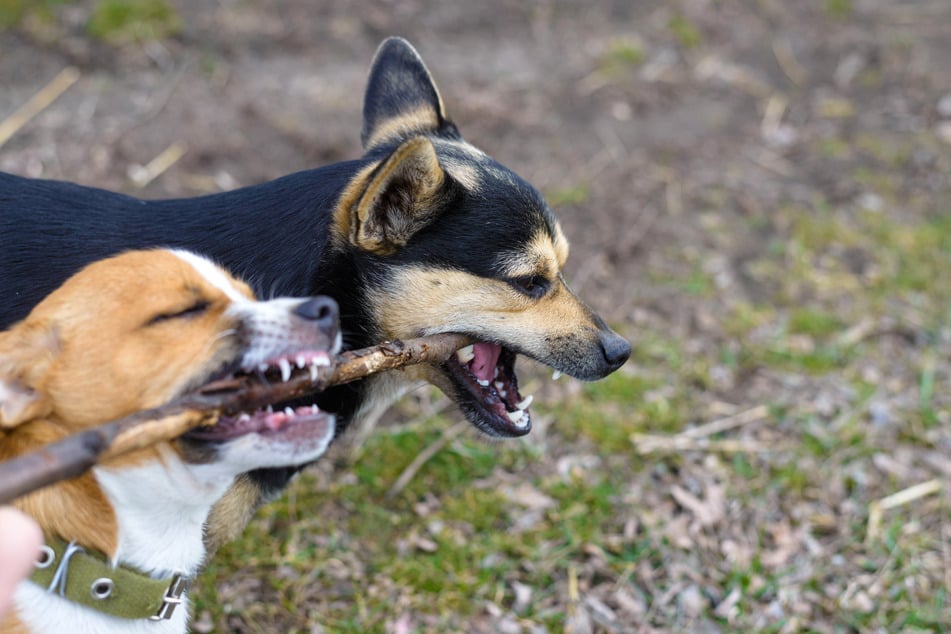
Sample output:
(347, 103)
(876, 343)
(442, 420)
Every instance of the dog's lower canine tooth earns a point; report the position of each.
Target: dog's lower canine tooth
(285, 366)
(482, 383)
(313, 373)
(288, 411)
(525, 402)
(556, 375)
(515, 416)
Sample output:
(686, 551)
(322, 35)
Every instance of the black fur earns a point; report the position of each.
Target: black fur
(278, 235)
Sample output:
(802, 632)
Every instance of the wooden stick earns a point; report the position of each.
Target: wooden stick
(75, 454)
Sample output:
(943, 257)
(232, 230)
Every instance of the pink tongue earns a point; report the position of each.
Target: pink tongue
(486, 356)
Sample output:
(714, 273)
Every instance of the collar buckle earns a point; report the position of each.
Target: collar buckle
(172, 598)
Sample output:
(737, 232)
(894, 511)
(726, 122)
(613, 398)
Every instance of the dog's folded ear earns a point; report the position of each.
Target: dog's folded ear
(396, 199)
(401, 98)
(26, 353)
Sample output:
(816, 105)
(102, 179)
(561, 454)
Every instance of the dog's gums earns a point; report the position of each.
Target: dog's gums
(289, 422)
(484, 374)
(296, 423)
(308, 359)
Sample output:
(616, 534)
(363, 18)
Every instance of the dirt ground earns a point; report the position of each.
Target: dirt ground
(714, 164)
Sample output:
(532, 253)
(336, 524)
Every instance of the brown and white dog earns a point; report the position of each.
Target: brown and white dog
(125, 334)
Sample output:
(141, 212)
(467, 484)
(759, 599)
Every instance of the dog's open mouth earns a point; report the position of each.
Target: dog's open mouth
(289, 423)
(487, 389)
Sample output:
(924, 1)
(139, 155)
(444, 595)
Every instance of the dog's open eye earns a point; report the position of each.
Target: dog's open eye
(535, 286)
(194, 310)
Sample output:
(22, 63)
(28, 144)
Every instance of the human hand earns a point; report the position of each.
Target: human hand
(20, 541)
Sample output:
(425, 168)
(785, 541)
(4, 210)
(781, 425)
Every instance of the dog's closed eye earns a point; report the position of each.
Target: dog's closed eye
(193, 310)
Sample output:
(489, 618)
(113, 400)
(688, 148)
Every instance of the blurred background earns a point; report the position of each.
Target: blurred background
(756, 193)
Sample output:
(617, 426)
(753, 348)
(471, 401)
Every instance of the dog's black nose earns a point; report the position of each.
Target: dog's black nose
(616, 350)
(320, 309)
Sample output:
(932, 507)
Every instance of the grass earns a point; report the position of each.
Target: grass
(14, 12)
(836, 317)
(112, 21)
(457, 542)
(621, 56)
(119, 21)
(573, 195)
(684, 31)
(481, 520)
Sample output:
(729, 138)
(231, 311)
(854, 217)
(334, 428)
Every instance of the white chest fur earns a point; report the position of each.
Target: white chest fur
(160, 508)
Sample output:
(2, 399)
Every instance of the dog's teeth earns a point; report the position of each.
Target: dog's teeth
(322, 361)
(465, 355)
(482, 383)
(503, 393)
(499, 385)
(285, 366)
(496, 375)
(244, 418)
(556, 375)
(289, 411)
(270, 409)
(515, 416)
(263, 367)
(313, 372)
(314, 409)
(301, 361)
(525, 402)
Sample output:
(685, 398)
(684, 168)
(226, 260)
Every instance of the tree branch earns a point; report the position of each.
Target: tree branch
(75, 454)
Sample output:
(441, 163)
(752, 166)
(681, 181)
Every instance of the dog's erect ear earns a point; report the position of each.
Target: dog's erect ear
(401, 98)
(388, 205)
(25, 356)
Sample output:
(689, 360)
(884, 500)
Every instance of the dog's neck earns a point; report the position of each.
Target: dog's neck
(160, 533)
(160, 509)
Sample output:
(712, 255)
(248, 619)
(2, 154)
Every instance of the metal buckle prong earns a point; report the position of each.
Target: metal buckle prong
(172, 599)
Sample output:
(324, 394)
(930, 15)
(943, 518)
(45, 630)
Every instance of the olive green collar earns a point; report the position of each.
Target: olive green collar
(86, 578)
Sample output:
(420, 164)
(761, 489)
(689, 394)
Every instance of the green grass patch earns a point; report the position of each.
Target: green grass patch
(839, 9)
(821, 360)
(686, 33)
(620, 56)
(696, 281)
(813, 321)
(574, 195)
(122, 21)
(14, 12)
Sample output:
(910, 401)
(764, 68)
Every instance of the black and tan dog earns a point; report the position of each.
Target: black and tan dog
(424, 234)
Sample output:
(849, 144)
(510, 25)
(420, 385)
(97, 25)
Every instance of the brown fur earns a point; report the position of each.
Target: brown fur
(407, 124)
(231, 514)
(71, 367)
(413, 176)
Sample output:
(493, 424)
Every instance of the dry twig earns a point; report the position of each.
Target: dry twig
(75, 454)
(876, 510)
(142, 175)
(38, 103)
(698, 438)
(788, 62)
